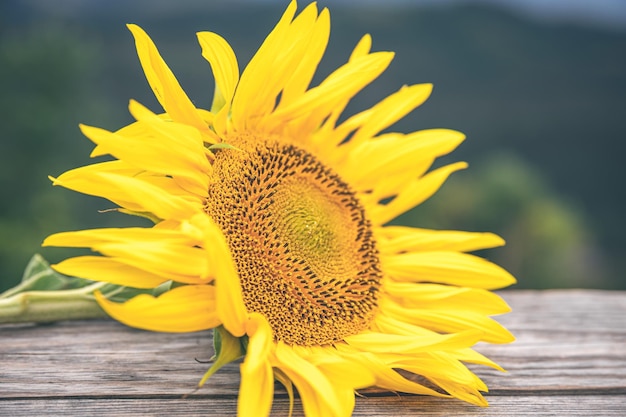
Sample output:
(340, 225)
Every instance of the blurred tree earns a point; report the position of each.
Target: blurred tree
(45, 77)
(549, 243)
(552, 95)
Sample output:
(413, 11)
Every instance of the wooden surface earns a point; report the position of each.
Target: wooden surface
(569, 360)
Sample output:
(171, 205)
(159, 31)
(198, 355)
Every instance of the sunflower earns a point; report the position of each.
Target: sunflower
(271, 225)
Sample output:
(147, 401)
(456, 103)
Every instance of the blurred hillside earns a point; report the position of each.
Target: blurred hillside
(542, 105)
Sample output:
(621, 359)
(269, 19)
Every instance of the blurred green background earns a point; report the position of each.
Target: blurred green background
(542, 101)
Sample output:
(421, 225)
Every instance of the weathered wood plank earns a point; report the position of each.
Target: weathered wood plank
(505, 406)
(569, 359)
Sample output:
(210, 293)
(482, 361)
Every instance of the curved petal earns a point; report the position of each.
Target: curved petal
(414, 194)
(162, 152)
(150, 197)
(409, 344)
(402, 239)
(363, 47)
(100, 268)
(257, 378)
(319, 398)
(189, 308)
(229, 297)
(444, 370)
(93, 237)
(327, 133)
(179, 135)
(445, 297)
(471, 356)
(401, 157)
(386, 376)
(449, 321)
(314, 45)
(163, 82)
(343, 82)
(390, 110)
(133, 192)
(223, 62)
(340, 369)
(447, 267)
(255, 94)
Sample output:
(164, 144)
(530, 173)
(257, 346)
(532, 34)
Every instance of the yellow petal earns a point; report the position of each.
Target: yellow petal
(175, 261)
(449, 321)
(343, 82)
(223, 62)
(362, 47)
(441, 366)
(385, 323)
(166, 253)
(229, 296)
(409, 344)
(138, 193)
(259, 86)
(151, 198)
(448, 373)
(260, 340)
(163, 82)
(471, 356)
(315, 45)
(286, 382)
(163, 153)
(386, 376)
(94, 237)
(445, 297)
(156, 127)
(99, 268)
(400, 239)
(189, 308)
(446, 267)
(390, 110)
(318, 395)
(326, 132)
(340, 369)
(257, 379)
(400, 157)
(119, 167)
(414, 194)
(463, 392)
(87, 180)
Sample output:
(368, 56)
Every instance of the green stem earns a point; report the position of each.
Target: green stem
(49, 306)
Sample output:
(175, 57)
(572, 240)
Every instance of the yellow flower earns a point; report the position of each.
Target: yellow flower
(270, 220)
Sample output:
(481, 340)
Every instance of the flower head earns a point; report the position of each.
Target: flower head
(271, 222)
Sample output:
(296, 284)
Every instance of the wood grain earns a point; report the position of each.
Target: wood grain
(569, 360)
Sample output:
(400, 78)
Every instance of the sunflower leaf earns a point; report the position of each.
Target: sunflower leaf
(45, 296)
(120, 294)
(39, 276)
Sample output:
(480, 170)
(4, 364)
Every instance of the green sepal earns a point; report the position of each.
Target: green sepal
(221, 145)
(228, 348)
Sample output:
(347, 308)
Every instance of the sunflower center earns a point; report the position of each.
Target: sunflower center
(300, 240)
